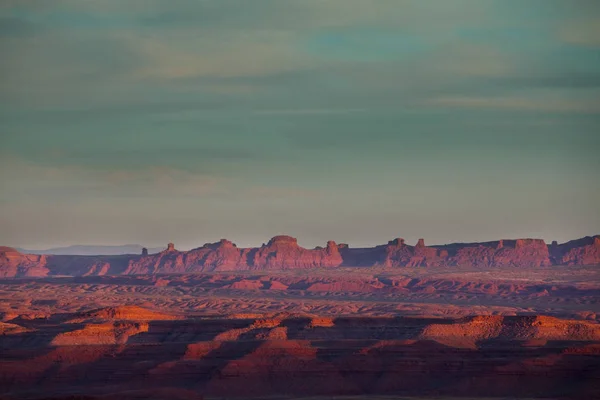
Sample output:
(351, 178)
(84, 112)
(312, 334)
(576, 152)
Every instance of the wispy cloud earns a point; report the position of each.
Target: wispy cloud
(583, 31)
(33, 181)
(517, 104)
(236, 55)
(309, 111)
(286, 193)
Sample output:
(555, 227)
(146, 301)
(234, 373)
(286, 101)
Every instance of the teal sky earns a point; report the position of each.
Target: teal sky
(148, 121)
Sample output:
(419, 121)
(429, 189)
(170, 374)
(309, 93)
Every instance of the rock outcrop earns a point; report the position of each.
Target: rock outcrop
(585, 251)
(284, 252)
(514, 328)
(503, 253)
(130, 313)
(281, 252)
(100, 334)
(13, 263)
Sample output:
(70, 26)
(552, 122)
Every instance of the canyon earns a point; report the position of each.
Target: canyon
(503, 319)
(131, 352)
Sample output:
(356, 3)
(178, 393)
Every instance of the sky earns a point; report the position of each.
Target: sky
(151, 121)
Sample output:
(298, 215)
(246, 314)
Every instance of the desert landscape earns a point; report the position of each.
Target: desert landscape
(503, 319)
(299, 200)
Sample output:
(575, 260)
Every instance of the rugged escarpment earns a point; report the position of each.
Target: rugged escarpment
(281, 252)
(13, 263)
(520, 252)
(292, 355)
(125, 313)
(284, 252)
(514, 328)
(584, 251)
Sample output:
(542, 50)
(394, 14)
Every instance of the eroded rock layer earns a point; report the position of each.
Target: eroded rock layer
(119, 356)
(284, 252)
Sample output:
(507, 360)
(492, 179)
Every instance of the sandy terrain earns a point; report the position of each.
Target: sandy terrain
(568, 292)
(360, 332)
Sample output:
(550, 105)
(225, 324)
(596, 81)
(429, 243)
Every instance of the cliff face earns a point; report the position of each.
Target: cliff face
(283, 252)
(502, 253)
(13, 263)
(399, 254)
(113, 353)
(585, 251)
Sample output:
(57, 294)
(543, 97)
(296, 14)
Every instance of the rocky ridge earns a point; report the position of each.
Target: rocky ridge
(284, 252)
(287, 356)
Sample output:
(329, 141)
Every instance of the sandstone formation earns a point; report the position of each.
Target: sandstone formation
(520, 252)
(281, 252)
(585, 251)
(13, 263)
(130, 313)
(515, 328)
(9, 329)
(566, 292)
(293, 356)
(284, 252)
(97, 334)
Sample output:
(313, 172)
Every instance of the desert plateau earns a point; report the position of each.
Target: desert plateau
(505, 319)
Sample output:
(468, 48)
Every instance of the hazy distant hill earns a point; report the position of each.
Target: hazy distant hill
(92, 250)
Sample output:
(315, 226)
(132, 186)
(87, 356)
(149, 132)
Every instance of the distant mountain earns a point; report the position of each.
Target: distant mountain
(93, 250)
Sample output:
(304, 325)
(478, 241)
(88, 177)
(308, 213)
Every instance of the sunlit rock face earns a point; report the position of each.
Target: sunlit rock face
(160, 355)
(283, 252)
(588, 254)
(14, 263)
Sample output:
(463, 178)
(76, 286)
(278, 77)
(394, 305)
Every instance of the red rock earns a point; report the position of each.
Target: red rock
(521, 328)
(588, 254)
(525, 253)
(398, 254)
(283, 252)
(520, 252)
(276, 285)
(132, 313)
(97, 334)
(15, 264)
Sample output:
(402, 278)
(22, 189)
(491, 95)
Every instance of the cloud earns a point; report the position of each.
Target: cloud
(271, 192)
(257, 54)
(471, 60)
(27, 180)
(267, 14)
(583, 32)
(309, 111)
(517, 104)
(16, 27)
(236, 55)
(571, 79)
